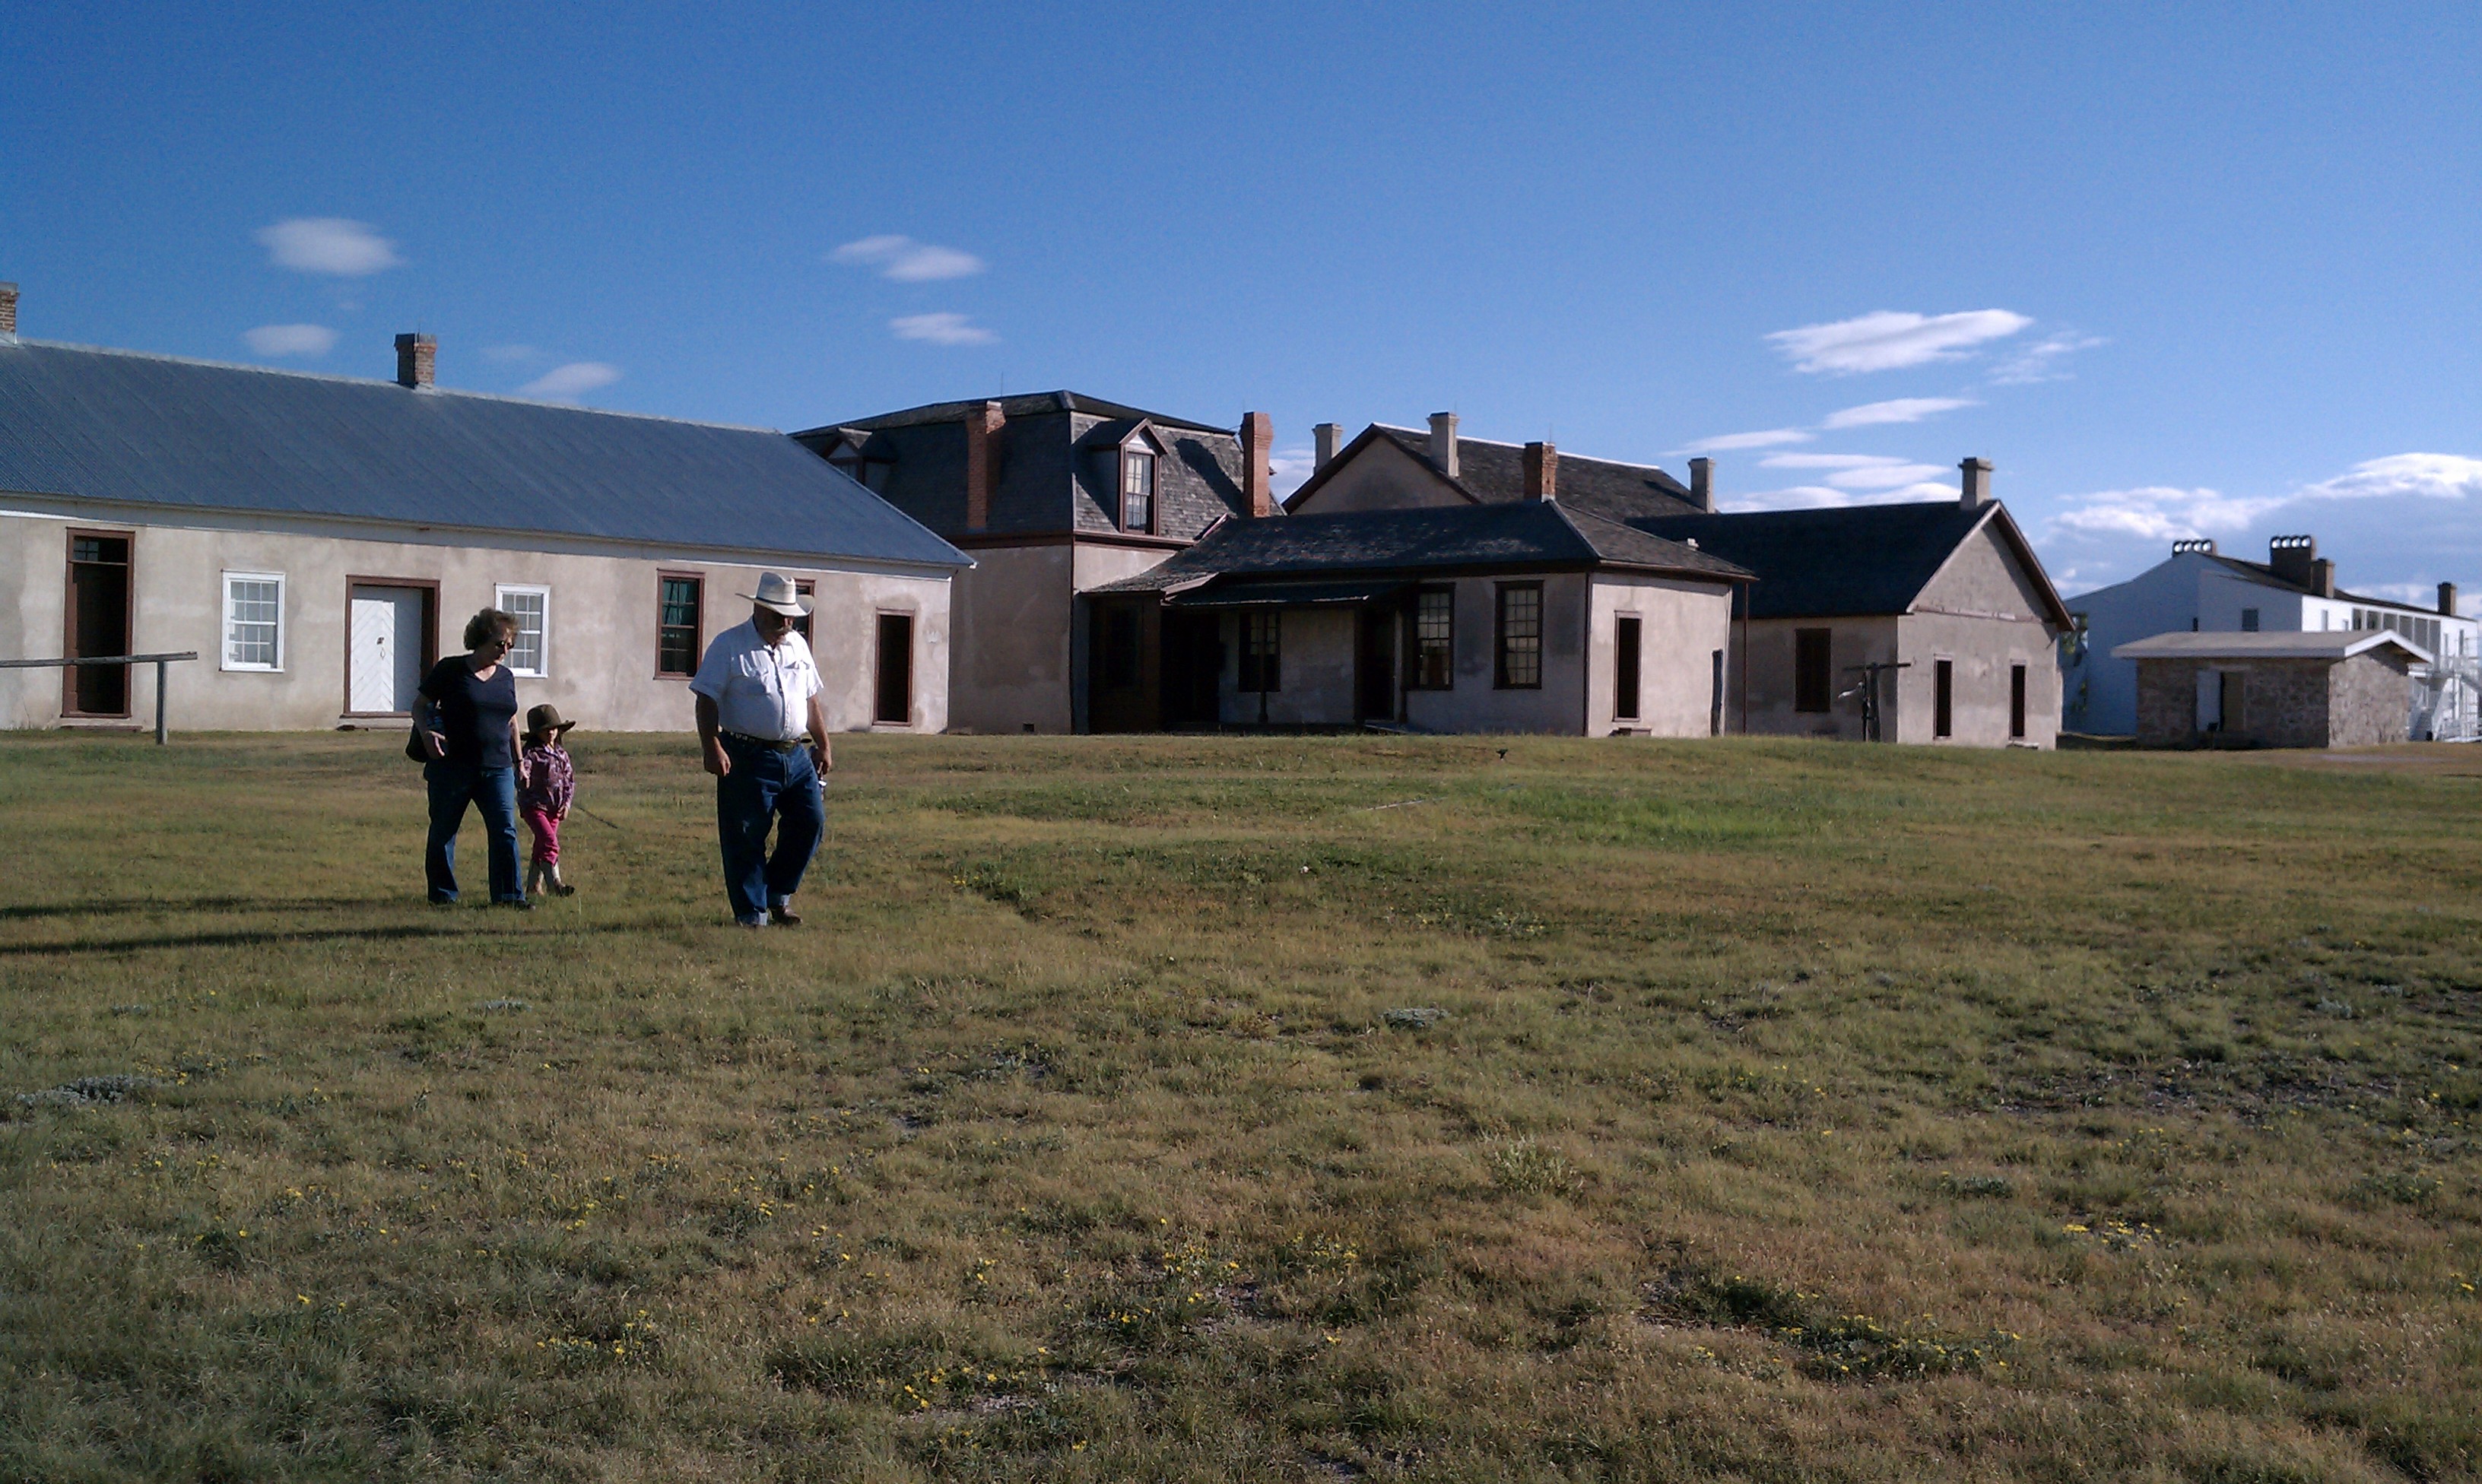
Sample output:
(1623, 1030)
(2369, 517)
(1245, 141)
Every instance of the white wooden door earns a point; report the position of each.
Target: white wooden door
(386, 648)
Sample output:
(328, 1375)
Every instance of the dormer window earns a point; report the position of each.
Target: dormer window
(1137, 488)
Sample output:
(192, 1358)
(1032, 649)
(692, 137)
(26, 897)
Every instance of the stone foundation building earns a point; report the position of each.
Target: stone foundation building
(2319, 689)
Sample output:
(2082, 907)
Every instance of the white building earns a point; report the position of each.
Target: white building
(320, 541)
(2198, 589)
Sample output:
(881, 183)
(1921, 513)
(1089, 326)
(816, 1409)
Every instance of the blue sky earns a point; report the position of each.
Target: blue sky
(2205, 268)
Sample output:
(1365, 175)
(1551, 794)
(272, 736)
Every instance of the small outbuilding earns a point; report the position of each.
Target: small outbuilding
(2339, 689)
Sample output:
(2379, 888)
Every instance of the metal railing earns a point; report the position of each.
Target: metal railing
(162, 670)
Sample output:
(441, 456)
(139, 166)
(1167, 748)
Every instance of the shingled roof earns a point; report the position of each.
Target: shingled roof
(1495, 473)
(131, 428)
(1052, 476)
(1538, 534)
(1849, 562)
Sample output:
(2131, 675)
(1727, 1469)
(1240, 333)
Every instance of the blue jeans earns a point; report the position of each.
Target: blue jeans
(765, 787)
(495, 792)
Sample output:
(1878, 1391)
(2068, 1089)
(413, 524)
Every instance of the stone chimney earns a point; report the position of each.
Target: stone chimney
(1702, 483)
(1976, 484)
(1542, 471)
(1329, 438)
(414, 354)
(982, 427)
(2322, 578)
(8, 311)
(1258, 447)
(2294, 559)
(1444, 442)
(2447, 599)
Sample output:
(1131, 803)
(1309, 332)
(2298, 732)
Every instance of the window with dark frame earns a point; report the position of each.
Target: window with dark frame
(1261, 649)
(1943, 698)
(1814, 687)
(1435, 639)
(893, 703)
(678, 614)
(1520, 636)
(2016, 703)
(1137, 489)
(2249, 621)
(1629, 649)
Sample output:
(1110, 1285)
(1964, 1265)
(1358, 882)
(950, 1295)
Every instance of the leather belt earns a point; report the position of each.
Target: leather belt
(768, 742)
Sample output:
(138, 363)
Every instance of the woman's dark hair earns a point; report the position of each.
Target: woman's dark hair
(486, 623)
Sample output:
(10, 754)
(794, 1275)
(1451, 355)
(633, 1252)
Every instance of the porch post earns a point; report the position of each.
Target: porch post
(162, 670)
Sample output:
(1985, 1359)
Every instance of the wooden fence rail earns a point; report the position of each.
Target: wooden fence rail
(162, 670)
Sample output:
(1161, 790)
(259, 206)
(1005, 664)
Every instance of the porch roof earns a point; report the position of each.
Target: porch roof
(1264, 592)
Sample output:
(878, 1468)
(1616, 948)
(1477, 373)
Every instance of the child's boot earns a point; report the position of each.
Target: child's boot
(534, 877)
(560, 888)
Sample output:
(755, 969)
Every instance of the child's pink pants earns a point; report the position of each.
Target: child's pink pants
(547, 832)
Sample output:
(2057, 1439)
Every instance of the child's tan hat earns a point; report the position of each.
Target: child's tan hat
(546, 719)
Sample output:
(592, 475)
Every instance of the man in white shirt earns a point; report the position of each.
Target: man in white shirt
(765, 740)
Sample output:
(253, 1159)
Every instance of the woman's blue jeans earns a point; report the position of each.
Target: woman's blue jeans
(495, 792)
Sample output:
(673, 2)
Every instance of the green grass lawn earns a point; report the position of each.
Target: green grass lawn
(1792, 1111)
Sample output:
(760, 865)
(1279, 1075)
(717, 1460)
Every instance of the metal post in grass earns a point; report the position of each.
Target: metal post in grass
(163, 664)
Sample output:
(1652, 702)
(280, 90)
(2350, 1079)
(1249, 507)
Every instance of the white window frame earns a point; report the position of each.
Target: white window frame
(500, 600)
(225, 612)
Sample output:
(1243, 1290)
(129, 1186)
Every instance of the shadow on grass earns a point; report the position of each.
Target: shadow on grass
(240, 938)
(169, 904)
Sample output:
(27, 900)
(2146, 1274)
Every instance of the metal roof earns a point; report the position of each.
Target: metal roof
(126, 427)
(2314, 644)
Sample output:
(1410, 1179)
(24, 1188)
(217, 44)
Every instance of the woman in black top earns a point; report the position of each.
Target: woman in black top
(466, 716)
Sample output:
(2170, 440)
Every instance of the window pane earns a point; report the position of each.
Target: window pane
(1137, 490)
(1435, 622)
(252, 608)
(526, 655)
(677, 627)
(1520, 637)
(1261, 662)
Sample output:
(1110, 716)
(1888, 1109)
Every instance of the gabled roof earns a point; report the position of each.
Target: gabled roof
(1533, 534)
(87, 423)
(1495, 473)
(1024, 404)
(2278, 644)
(1852, 561)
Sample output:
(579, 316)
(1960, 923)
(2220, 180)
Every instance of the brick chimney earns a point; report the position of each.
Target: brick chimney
(2322, 578)
(1328, 438)
(414, 354)
(2447, 599)
(8, 310)
(1702, 483)
(1444, 442)
(982, 427)
(1258, 447)
(2294, 559)
(1542, 471)
(1976, 484)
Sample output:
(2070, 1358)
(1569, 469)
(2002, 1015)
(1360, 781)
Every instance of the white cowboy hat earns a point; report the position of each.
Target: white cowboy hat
(775, 591)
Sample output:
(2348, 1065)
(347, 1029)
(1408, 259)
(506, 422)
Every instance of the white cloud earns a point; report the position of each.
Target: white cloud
(908, 261)
(1887, 340)
(1810, 496)
(2158, 513)
(1773, 437)
(1865, 471)
(290, 339)
(2040, 361)
(2433, 476)
(510, 355)
(1293, 468)
(1904, 409)
(941, 328)
(567, 383)
(328, 245)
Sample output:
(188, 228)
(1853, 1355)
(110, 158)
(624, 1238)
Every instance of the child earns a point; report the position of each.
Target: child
(545, 788)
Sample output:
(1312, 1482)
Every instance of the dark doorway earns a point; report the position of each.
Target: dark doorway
(1374, 665)
(2016, 703)
(1628, 648)
(1193, 662)
(97, 624)
(894, 705)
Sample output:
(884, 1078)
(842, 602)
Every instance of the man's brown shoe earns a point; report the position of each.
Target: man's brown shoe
(784, 917)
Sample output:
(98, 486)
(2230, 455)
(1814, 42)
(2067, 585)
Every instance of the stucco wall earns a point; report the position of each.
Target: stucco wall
(1314, 670)
(1382, 476)
(1769, 677)
(1681, 627)
(1982, 651)
(600, 634)
(1013, 663)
